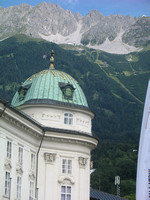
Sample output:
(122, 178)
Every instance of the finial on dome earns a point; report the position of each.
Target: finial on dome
(52, 60)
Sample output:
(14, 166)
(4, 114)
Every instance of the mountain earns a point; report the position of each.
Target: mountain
(138, 33)
(114, 33)
(115, 87)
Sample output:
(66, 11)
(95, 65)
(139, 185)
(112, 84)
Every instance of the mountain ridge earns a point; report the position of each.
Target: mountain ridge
(53, 23)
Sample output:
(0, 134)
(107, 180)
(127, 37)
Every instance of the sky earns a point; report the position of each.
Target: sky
(134, 8)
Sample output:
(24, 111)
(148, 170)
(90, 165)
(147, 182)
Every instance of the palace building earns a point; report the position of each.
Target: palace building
(46, 140)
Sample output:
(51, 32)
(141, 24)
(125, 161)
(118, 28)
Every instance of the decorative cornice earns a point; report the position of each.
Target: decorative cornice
(16, 111)
(20, 125)
(71, 132)
(57, 103)
(70, 140)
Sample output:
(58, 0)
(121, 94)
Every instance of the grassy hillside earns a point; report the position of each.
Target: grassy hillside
(115, 87)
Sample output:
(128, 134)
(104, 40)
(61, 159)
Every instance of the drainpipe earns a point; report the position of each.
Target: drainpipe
(37, 163)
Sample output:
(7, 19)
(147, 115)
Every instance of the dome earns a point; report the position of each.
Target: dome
(50, 87)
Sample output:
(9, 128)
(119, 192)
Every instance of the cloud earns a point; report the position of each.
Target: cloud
(71, 2)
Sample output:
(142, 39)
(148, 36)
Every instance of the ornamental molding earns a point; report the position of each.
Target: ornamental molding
(71, 141)
(91, 164)
(20, 125)
(32, 175)
(82, 162)
(50, 157)
(32, 115)
(82, 122)
(51, 117)
(66, 180)
(7, 165)
(19, 170)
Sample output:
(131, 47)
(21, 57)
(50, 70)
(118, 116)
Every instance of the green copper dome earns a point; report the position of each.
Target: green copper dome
(50, 87)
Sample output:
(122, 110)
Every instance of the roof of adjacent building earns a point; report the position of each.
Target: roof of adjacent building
(98, 195)
(47, 86)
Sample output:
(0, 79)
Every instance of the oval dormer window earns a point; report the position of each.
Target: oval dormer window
(68, 118)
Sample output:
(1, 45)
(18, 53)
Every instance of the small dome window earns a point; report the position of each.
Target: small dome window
(22, 91)
(67, 90)
(68, 118)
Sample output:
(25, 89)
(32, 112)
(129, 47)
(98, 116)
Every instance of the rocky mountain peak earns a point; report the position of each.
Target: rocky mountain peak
(78, 16)
(1, 9)
(55, 24)
(94, 13)
(138, 33)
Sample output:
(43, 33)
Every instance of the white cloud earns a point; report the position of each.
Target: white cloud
(72, 2)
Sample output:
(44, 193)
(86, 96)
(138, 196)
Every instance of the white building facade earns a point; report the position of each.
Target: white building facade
(46, 140)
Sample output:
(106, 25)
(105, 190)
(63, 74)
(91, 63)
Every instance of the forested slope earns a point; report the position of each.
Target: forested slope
(115, 87)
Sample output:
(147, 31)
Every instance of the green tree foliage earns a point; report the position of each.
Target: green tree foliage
(130, 197)
(112, 160)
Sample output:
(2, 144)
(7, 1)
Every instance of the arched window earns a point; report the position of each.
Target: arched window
(68, 118)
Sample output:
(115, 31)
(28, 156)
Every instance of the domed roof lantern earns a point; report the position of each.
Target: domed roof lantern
(52, 60)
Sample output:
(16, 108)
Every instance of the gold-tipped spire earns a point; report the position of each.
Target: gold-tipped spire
(52, 60)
